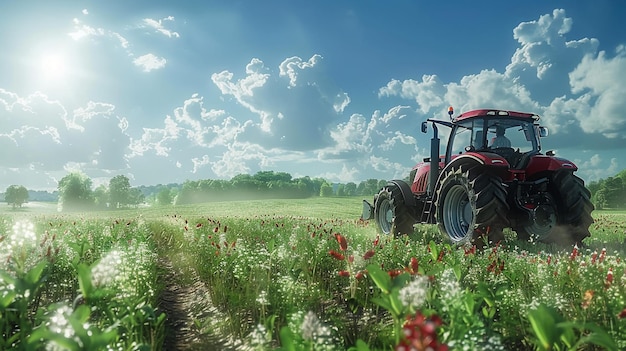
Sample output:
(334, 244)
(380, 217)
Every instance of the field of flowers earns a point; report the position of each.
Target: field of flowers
(301, 275)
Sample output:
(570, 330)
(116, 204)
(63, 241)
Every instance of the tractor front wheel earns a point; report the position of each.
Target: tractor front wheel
(471, 206)
(391, 213)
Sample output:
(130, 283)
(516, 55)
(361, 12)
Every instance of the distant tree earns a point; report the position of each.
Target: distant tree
(326, 190)
(119, 191)
(135, 197)
(164, 197)
(16, 195)
(341, 190)
(101, 196)
(350, 189)
(75, 192)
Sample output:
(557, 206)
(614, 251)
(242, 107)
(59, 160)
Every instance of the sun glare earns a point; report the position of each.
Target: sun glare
(53, 67)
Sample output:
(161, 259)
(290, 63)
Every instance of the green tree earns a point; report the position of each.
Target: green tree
(75, 192)
(16, 195)
(135, 197)
(101, 196)
(351, 189)
(164, 197)
(341, 190)
(326, 190)
(119, 191)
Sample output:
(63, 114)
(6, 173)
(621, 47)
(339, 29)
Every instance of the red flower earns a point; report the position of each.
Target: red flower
(368, 254)
(394, 273)
(574, 253)
(609, 278)
(377, 240)
(470, 251)
(420, 334)
(413, 266)
(622, 314)
(344, 273)
(343, 243)
(336, 255)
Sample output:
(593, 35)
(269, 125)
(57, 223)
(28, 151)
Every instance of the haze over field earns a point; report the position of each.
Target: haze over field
(164, 92)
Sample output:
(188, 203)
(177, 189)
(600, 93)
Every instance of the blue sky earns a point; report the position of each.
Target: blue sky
(165, 91)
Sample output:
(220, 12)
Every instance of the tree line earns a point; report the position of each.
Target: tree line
(609, 192)
(76, 191)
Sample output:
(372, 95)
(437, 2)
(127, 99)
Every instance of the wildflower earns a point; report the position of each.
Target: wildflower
(420, 334)
(622, 314)
(602, 255)
(414, 265)
(59, 324)
(337, 255)
(609, 278)
(106, 271)
(344, 273)
(311, 326)
(369, 254)
(414, 294)
(259, 337)
(574, 253)
(343, 243)
(262, 299)
(587, 299)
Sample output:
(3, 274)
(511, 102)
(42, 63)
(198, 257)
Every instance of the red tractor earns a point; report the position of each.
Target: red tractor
(492, 176)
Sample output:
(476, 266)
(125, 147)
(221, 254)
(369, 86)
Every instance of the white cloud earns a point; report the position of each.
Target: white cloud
(596, 76)
(278, 102)
(159, 27)
(149, 62)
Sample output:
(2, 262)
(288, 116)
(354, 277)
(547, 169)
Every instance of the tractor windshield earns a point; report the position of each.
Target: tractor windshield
(495, 135)
(512, 133)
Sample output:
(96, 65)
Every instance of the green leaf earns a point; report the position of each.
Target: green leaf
(33, 277)
(286, 339)
(544, 324)
(380, 278)
(360, 346)
(84, 280)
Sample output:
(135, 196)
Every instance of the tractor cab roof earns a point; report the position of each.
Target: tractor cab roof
(494, 113)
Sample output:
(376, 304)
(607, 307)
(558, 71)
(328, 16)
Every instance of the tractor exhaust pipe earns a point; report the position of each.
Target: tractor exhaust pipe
(434, 161)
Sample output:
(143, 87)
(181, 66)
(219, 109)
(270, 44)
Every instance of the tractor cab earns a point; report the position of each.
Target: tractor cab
(513, 136)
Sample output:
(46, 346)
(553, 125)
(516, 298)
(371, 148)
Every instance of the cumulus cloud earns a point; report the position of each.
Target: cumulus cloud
(39, 134)
(295, 107)
(149, 62)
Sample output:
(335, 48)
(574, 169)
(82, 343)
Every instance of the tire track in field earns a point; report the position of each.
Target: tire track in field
(190, 314)
(192, 321)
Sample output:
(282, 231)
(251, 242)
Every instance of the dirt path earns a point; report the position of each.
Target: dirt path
(190, 314)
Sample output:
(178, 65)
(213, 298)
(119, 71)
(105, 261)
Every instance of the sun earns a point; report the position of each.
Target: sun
(53, 67)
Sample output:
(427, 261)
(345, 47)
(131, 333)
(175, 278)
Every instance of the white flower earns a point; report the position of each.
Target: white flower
(311, 326)
(414, 294)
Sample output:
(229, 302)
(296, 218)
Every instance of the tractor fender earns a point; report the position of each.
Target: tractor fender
(471, 159)
(542, 163)
(405, 189)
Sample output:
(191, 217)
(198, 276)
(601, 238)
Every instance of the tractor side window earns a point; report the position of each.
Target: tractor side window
(462, 139)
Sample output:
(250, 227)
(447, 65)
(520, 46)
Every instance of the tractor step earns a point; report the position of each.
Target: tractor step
(427, 215)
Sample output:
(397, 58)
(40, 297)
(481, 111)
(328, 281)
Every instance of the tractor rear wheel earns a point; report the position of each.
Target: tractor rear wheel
(471, 205)
(391, 213)
(574, 209)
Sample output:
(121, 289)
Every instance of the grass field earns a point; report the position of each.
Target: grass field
(296, 274)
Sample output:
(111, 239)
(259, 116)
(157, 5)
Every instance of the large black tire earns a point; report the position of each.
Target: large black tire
(471, 207)
(574, 209)
(391, 213)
